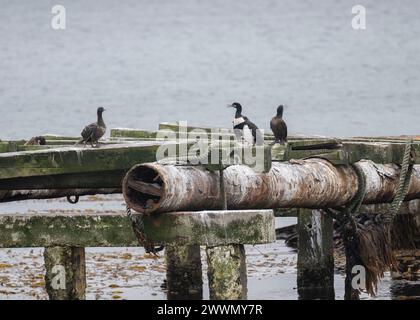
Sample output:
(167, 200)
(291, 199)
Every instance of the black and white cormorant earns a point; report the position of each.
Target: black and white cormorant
(279, 127)
(94, 131)
(245, 128)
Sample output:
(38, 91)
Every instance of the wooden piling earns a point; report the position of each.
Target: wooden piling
(315, 274)
(65, 277)
(227, 272)
(184, 272)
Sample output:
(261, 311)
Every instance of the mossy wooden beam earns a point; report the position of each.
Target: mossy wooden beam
(81, 171)
(76, 160)
(175, 127)
(277, 152)
(211, 228)
(168, 135)
(64, 230)
(268, 136)
(49, 136)
(346, 152)
(400, 139)
(132, 133)
(10, 146)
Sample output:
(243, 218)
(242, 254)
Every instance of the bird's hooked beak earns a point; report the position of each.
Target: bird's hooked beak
(229, 106)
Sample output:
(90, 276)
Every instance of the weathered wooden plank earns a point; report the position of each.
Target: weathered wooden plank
(268, 136)
(10, 146)
(350, 151)
(277, 152)
(76, 159)
(132, 133)
(212, 132)
(114, 230)
(171, 135)
(77, 230)
(211, 228)
(401, 138)
(153, 189)
(49, 136)
(174, 126)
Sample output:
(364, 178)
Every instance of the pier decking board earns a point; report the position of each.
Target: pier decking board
(76, 230)
(211, 228)
(76, 159)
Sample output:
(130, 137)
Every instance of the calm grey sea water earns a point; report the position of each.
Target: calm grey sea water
(151, 61)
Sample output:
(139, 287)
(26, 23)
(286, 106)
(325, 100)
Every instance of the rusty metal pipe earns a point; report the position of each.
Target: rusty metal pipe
(311, 183)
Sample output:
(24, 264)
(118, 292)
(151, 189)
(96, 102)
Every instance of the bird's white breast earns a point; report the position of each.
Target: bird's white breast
(238, 121)
(247, 134)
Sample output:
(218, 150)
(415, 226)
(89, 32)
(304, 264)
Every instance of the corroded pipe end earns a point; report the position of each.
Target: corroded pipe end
(143, 187)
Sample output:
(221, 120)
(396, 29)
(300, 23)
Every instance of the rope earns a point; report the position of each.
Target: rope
(405, 177)
(346, 213)
(137, 222)
(359, 240)
(357, 200)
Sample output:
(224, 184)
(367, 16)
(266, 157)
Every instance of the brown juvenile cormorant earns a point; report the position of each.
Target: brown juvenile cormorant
(279, 127)
(245, 128)
(93, 132)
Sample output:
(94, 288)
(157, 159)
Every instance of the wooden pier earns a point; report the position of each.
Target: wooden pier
(184, 205)
(223, 233)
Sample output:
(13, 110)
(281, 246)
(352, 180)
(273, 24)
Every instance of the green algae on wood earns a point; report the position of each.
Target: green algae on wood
(76, 159)
(132, 133)
(77, 230)
(211, 228)
(348, 151)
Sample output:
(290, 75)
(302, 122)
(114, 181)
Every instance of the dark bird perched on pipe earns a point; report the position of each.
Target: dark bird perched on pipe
(244, 128)
(279, 127)
(36, 141)
(94, 131)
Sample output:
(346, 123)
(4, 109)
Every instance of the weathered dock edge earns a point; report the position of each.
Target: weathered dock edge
(223, 233)
(211, 228)
(64, 229)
